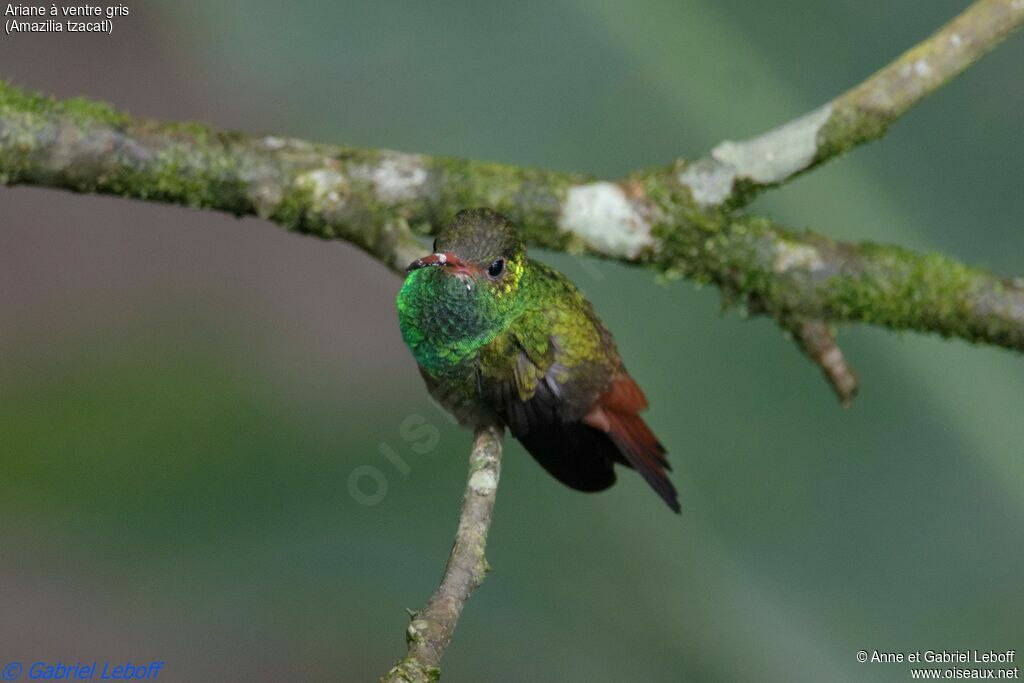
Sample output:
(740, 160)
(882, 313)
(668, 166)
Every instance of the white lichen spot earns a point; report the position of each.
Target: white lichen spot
(955, 40)
(921, 68)
(779, 153)
(396, 178)
(271, 142)
(832, 358)
(605, 219)
(792, 255)
(766, 159)
(265, 197)
(416, 630)
(483, 482)
(710, 181)
(327, 185)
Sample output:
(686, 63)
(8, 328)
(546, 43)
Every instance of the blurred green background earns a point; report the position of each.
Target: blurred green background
(184, 396)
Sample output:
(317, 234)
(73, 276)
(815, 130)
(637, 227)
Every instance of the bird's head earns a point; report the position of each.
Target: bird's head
(466, 292)
(482, 249)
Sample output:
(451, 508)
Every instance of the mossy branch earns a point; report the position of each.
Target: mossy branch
(430, 630)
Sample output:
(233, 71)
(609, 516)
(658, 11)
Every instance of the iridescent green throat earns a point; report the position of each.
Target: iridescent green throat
(445, 319)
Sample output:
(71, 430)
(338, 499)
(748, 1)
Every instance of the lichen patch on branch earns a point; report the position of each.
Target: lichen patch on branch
(794, 255)
(483, 482)
(765, 160)
(326, 185)
(396, 177)
(605, 219)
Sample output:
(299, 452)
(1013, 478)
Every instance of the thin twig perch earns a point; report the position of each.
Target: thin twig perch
(431, 628)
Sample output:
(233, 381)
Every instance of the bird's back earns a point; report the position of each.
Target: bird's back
(556, 379)
(557, 346)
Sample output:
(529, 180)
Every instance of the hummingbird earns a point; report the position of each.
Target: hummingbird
(502, 339)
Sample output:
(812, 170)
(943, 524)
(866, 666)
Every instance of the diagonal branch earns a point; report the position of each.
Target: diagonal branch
(431, 629)
(734, 172)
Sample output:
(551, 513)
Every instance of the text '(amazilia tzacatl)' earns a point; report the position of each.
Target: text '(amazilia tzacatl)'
(502, 339)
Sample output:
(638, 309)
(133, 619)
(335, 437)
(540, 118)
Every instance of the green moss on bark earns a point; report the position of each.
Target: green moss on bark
(334, 192)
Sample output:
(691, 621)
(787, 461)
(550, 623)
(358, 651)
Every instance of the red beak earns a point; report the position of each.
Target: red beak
(438, 259)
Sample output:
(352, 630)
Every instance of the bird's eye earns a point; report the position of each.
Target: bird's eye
(496, 268)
